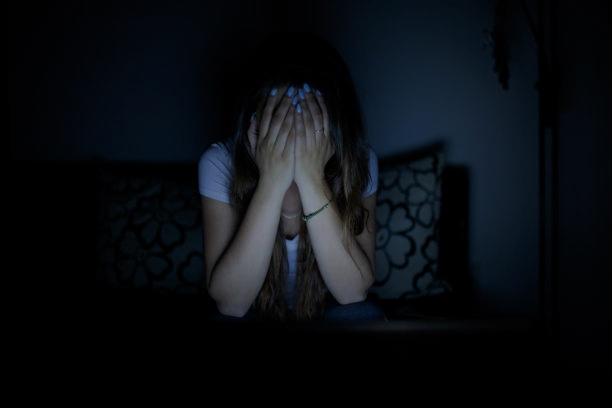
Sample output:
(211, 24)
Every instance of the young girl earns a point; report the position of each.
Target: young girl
(289, 202)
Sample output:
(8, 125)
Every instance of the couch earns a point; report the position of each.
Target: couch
(149, 237)
(115, 250)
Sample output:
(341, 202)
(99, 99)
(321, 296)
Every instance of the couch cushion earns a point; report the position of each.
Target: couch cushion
(149, 235)
(408, 220)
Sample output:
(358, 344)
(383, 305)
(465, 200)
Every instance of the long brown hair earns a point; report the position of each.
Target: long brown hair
(295, 59)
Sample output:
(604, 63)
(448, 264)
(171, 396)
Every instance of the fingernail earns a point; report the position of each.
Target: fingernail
(273, 91)
(301, 93)
(307, 88)
(290, 91)
(299, 108)
(295, 100)
(319, 93)
(252, 116)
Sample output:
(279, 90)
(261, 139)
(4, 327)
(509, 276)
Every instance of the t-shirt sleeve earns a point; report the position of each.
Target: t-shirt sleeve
(215, 173)
(373, 183)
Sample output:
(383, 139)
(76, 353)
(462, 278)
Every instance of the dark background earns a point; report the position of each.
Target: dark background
(151, 82)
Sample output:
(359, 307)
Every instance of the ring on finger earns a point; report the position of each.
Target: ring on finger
(317, 131)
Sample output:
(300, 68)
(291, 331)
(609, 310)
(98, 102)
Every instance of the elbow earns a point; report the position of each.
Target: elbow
(230, 305)
(358, 293)
(232, 310)
(348, 298)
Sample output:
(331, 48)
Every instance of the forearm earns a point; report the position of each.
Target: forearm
(344, 265)
(240, 272)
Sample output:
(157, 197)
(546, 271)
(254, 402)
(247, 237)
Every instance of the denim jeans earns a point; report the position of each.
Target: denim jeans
(353, 312)
(364, 311)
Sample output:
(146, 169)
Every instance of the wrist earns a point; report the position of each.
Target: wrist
(310, 181)
(271, 189)
(313, 196)
(309, 216)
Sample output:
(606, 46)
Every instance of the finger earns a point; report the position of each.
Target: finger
(285, 128)
(269, 108)
(316, 116)
(298, 125)
(280, 114)
(305, 117)
(252, 133)
(290, 143)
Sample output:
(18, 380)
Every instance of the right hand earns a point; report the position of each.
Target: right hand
(272, 140)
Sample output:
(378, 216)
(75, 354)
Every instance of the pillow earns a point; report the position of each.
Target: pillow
(408, 219)
(149, 229)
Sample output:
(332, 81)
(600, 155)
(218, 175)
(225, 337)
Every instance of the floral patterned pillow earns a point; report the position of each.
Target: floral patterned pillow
(407, 236)
(149, 230)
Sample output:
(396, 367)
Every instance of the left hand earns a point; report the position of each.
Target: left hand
(313, 147)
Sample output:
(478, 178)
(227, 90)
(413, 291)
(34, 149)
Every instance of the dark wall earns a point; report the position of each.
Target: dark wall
(129, 81)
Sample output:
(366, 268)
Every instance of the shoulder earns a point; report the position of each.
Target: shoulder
(215, 171)
(217, 157)
(216, 152)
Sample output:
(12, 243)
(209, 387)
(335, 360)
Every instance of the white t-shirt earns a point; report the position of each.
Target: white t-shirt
(214, 181)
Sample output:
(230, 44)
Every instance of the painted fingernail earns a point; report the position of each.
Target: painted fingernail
(253, 116)
(294, 101)
(301, 93)
(306, 87)
(319, 93)
(290, 91)
(273, 91)
(299, 108)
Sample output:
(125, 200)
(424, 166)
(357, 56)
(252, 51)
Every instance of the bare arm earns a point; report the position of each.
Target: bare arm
(347, 265)
(238, 253)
